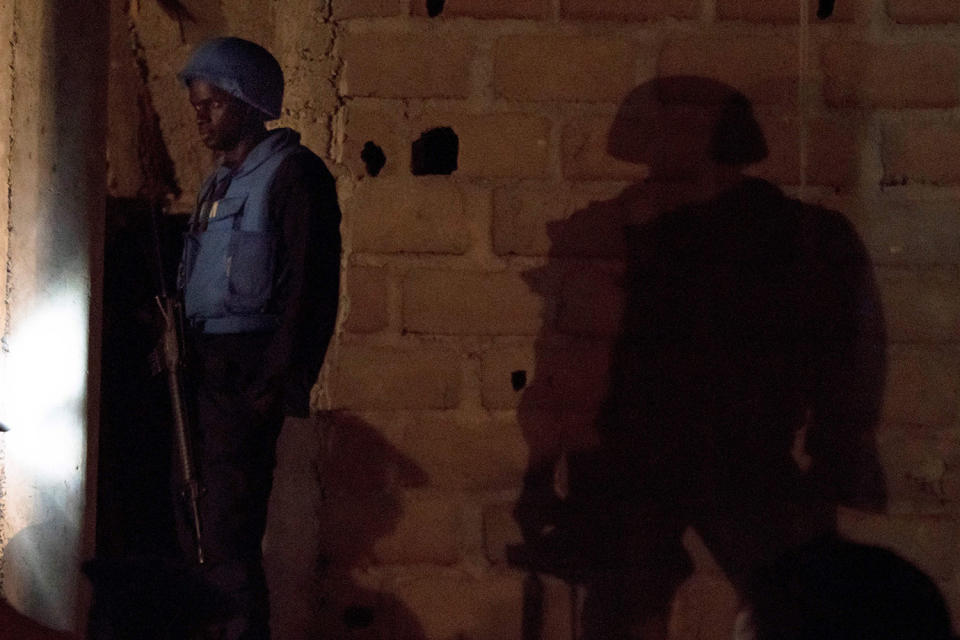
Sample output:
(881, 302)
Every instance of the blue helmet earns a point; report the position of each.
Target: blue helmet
(243, 69)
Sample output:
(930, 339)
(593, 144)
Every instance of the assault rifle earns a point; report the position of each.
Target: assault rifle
(169, 357)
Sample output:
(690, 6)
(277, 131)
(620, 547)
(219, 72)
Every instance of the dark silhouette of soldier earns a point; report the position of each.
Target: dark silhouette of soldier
(361, 481)
(833, 588)
(745, 379)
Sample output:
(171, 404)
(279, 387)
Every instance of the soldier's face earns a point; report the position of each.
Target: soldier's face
(221, 118)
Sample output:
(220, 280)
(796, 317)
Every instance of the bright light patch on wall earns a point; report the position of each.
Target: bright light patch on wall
(42, 390)
(43, 370)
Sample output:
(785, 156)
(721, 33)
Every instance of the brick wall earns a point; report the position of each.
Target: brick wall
(512, 263)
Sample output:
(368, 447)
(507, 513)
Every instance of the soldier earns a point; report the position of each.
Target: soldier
(259, 280)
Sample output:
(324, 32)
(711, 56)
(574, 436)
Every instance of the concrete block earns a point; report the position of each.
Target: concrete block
(405, 65)
(564, 68)
(408, 215)
(923, 385)
(366, 377)
(343, 9)
(921, 304)
(762, 68)
(897, 76)
(496, 145)
(924, 154)
(923, 11)
(571, 376)
(540, 221)
(486, 607)
(784, 11)
(516, 9)
(628, 10)
(922, 469)
(832, 150)
(465, 455)
(369, 293)
(500, 530)
(907, 232)
(585, 155)
(592, 302)
(427, 531)
(470, 303)
(382, 127)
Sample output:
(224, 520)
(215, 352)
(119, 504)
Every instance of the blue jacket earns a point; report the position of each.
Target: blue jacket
(228, 271)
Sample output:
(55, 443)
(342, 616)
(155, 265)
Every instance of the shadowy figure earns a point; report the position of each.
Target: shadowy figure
(745, 373)
(846, 591)
(314, 559)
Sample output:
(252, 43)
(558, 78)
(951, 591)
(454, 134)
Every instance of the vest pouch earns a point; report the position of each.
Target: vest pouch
(250, 271)
(207, 262)
(224, 212)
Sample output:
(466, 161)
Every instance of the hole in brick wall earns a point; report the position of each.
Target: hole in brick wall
(435, 152)
(435, 7)
(373, 157)
(518, 379)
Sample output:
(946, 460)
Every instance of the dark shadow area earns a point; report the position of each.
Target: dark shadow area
(136, 507)
(435, 7)
(362, 477)
(846, 591)
(744, 377)
(435, 152)
(141, 589)
(374, 159)
(825, 9)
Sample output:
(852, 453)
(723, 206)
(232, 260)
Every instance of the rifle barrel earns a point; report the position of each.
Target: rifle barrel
(181, 427)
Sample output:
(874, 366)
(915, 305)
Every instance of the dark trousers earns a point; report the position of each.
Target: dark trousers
(238, 418)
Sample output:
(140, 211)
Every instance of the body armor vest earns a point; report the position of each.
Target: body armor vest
(228, 271)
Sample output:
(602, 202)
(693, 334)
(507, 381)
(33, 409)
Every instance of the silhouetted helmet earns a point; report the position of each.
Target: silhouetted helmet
(243, 69)
(678, 121)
